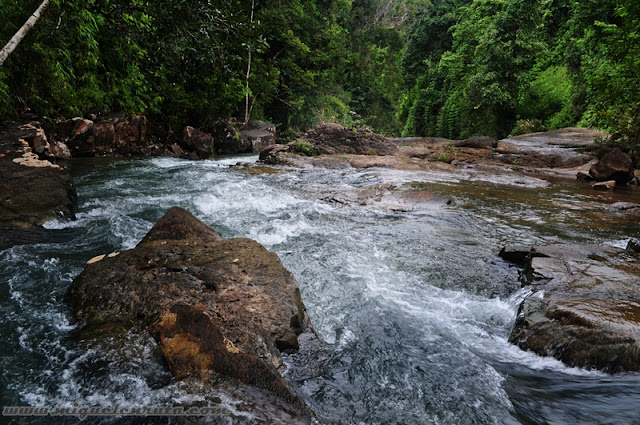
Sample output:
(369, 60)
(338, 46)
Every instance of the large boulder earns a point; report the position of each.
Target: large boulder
(584, 308)
(336, 139)
(274, 155)
(261, 135)
(213, 305)
(229, 139)
(199, 142)
(615, 165)
(32, 191)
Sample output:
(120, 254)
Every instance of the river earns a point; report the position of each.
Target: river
(414, 305)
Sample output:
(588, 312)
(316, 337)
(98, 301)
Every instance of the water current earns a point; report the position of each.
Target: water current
(414, 305)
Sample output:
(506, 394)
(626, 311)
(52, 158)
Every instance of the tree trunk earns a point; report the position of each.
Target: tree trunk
(22, 32)
(247, 111)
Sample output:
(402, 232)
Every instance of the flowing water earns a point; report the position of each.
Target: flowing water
(414, 306)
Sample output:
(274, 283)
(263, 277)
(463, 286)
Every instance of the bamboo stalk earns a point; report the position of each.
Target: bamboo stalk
(22, 32)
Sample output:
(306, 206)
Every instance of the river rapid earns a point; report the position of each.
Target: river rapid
(413, 305)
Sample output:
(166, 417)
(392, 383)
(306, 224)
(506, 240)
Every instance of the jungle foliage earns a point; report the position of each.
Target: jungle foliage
(450, 68)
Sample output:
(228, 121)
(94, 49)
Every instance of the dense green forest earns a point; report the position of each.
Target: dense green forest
(451, 68)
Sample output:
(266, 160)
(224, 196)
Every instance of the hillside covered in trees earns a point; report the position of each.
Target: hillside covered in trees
(450, 68)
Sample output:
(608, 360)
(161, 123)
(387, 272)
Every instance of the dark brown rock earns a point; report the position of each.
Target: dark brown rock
(199, 142)
(104, 136)
(179, 224)
(616, 165)
(261, 135)
(32, 191)
(633, 245)
(214, 305)
(584, 177)
(131, 135)
(336, 139)
(194, 346)
(517, 254)
(113, 135)
(274, 155)
(81, 142)
(229, 140)
(585, 309)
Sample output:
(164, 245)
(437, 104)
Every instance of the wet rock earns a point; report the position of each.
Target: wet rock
(231, 137)
(175, 150)
(584, 177)
(633, 245)
(616, 165)
(551, 149)
(213, 305)
(194, 346)
(274, 155)
(476, 143)
(585, 307)
(605, 186)
(517, 254)
(81, 141)
(389, 197)
(199, 142)
(32, 191)
(336, 139)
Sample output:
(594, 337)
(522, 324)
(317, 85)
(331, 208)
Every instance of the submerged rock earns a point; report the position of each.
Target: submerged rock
(214, 305)
(585, 306)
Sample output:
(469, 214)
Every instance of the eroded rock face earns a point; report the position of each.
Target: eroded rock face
(213, 305)
(585, 306)
(616, 165)
(336, 139)
(32, 191)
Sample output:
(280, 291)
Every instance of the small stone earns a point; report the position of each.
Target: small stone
(584, 177)
(605, 186)
(633, 245)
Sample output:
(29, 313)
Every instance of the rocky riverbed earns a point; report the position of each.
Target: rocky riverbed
(579, 303)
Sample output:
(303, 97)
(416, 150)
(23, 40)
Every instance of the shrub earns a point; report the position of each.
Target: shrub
(304, 148)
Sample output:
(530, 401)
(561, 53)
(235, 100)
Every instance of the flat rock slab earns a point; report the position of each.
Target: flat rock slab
(585, 306)
(556, 149)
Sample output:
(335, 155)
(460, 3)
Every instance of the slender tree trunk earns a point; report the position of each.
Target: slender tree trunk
(247, 110)
(22, 32)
